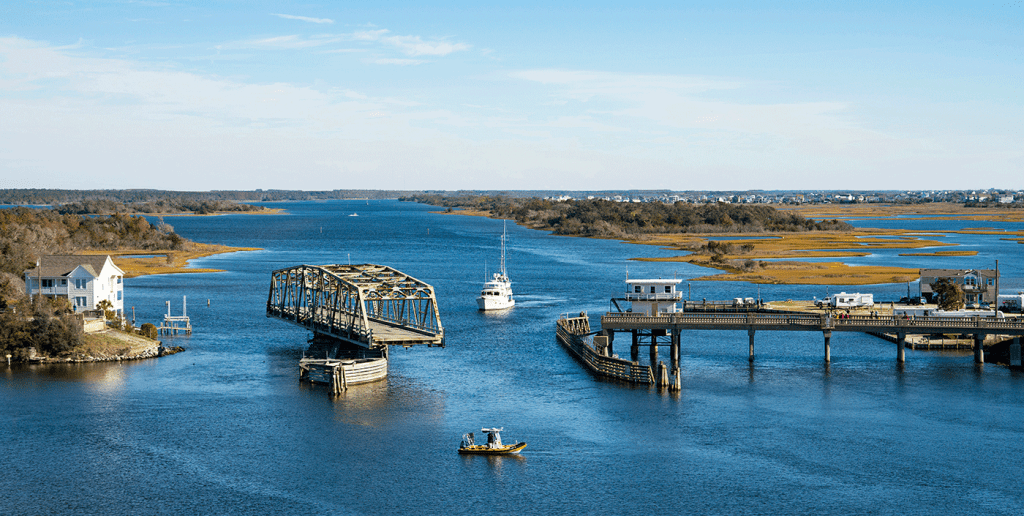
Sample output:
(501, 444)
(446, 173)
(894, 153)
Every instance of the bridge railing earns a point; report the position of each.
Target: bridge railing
(924, 323)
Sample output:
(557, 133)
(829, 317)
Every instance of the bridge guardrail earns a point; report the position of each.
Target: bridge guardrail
(926, 324)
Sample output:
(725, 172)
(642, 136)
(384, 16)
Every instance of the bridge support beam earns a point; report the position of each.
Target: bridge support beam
(828, 346)
(979, 349)
(750, 333)
(901, 346)
(1015, 359)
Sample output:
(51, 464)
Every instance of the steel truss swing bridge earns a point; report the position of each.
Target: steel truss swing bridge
(372, 306)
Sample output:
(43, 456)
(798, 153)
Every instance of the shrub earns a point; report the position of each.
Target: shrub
(148, 330)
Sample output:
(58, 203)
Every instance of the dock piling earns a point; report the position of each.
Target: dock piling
(979, 349)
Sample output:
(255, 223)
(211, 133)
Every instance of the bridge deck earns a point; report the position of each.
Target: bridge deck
(808, 322)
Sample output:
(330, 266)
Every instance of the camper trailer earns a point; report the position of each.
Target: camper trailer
(1012, 303)
(844, 300)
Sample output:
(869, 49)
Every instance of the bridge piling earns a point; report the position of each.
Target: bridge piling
(654, 349)
(1015, 359)
(750, 333)
(828, 347)
(901, 346)
(979, 349)
(634, 349)
(674, 350)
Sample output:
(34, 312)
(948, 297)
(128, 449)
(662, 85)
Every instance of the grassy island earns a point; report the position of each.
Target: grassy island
(754, 243)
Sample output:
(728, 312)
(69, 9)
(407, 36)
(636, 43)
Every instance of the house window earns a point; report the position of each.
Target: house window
(637, 289)
(47, 283)
(668, 289)
(990, 280)
(81, 283)
(652, 290)
(63, 282)
(80, 301)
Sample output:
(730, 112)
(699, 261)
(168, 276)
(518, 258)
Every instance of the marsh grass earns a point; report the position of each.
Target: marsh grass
(166, 262)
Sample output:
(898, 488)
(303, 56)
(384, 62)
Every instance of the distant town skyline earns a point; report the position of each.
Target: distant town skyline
(525, 96)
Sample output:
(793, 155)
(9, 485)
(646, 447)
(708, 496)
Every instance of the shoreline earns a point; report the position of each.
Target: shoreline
(775, 257)
(150, 262)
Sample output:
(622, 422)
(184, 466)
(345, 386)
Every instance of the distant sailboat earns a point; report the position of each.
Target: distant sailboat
(497, 293)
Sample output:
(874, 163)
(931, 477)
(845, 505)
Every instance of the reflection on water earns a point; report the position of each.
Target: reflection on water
(227, 427)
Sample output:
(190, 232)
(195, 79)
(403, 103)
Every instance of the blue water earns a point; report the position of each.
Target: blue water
(226, 427)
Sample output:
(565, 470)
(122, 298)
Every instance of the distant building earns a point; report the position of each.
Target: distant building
(83, 280)
(979, 285)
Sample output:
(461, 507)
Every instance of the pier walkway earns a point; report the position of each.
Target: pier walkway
(672, 324)
(596, 348)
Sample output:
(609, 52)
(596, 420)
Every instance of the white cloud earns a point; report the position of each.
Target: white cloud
(71, 119)
(303, 18)
(411, 45)
(292, 41)
(400, 62)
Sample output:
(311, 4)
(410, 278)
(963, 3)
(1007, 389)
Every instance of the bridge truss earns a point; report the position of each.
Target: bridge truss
(370, 305)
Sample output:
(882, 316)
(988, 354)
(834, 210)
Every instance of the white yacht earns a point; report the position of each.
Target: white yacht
(497, 293)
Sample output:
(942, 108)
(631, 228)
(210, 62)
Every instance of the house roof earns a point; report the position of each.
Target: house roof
(62, 265)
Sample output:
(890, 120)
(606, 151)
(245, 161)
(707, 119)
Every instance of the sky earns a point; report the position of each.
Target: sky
(241, 95)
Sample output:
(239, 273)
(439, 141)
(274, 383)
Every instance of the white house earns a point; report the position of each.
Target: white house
(83, 280)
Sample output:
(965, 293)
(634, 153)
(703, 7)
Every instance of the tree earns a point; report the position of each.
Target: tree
(949, 295)
(107, 307)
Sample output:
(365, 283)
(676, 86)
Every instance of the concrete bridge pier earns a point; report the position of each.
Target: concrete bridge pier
(828, 346)
(901, 346)
(1015, 359)
(750, 333)
(979, 348)
(634, 348)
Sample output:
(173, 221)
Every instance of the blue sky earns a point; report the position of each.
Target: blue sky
(553, 95)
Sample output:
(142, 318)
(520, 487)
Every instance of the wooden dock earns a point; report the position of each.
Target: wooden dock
(593, 351)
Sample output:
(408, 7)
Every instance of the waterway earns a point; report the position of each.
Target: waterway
(226, 427)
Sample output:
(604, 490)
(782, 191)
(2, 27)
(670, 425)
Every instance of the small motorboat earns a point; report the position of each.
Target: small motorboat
(493, 446)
